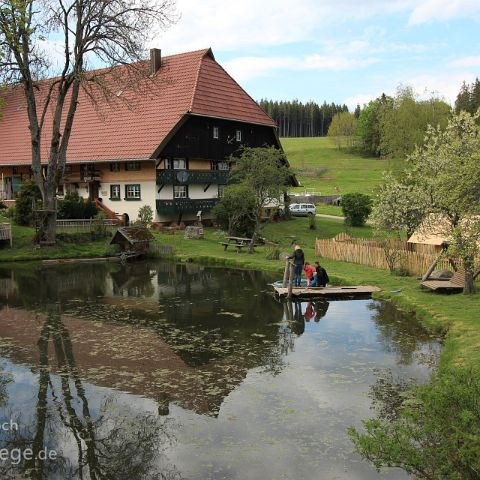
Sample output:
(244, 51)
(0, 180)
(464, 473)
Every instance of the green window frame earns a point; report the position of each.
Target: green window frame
(133, 191)
(115, 192)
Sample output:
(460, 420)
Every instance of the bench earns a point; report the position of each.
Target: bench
(238, 246)
(457, 282)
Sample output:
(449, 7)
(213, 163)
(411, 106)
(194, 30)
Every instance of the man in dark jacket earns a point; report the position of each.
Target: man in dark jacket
(320, 279)
(298, 261)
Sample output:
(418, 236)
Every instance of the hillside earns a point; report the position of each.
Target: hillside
(321, 167)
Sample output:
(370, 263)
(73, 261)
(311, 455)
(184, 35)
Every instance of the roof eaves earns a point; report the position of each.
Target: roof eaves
(273, 125)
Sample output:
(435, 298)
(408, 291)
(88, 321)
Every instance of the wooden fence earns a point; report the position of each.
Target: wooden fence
(6, 232)
(84, 225)
(416, 259)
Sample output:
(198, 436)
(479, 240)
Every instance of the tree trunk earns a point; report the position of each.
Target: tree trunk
(48, 220)
(469, 287)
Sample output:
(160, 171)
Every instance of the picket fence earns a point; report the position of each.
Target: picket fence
(414, 258)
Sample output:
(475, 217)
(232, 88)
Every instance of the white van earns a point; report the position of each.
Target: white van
(302, 209)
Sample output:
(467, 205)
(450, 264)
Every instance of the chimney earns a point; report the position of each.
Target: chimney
(155, 60)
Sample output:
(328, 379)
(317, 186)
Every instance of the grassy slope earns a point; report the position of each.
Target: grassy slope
(349, 172)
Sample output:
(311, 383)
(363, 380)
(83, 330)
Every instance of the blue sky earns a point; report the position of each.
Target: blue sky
(345, 51)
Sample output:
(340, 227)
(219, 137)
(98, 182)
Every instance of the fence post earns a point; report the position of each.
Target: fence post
(285, 273)
(290, 283)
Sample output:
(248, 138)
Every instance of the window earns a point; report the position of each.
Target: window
(115, 167)
(132, 192)
(215, 132)
(222, 166)
(114, 192)
(132, 166)
(180, 191)
(221, 191)
(238, 135)
(179, 164)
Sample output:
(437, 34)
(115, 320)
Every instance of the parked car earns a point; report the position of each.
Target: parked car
(302, 209)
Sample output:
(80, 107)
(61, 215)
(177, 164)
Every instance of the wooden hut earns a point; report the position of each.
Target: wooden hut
(132, 240)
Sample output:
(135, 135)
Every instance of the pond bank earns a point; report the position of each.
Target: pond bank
(453, 316)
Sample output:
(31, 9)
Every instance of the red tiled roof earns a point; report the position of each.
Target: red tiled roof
(135, 124)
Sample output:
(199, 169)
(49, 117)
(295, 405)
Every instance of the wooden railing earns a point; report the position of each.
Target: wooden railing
(414, 258)
(6, 232)
(83, 225)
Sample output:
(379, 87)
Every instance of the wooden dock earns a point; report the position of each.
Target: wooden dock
(362, 291)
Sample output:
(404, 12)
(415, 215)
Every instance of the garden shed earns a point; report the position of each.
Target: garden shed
(135, 239)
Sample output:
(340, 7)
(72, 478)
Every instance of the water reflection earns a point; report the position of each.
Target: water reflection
(155, 370)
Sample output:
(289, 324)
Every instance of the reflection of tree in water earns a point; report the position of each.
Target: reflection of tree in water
(401, 333)
(111, 444)
(5, 380)
(388, 394)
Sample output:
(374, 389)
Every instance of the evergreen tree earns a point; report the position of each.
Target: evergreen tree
(462, 103)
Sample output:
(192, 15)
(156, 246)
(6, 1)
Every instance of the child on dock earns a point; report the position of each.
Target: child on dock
(308, 272)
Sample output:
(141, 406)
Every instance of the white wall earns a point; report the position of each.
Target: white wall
(148, 190)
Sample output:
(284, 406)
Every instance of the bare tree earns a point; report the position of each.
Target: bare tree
(109, 33)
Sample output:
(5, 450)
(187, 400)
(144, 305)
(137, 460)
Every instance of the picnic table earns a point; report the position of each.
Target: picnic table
(237, 242)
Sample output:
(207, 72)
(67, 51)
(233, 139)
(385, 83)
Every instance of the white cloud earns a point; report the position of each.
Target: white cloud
(230, 26)
(466, 62)
(443, 85)
(227, 26)
(442, 10)
(361, 99)
(247, 68)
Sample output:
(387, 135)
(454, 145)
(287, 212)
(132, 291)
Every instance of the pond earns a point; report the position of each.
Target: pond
(160, 371)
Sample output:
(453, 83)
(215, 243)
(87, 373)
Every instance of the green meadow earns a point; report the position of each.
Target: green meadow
(322, 167)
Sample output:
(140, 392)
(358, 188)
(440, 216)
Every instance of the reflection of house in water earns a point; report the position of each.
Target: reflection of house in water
(165, 331)
(126, 358)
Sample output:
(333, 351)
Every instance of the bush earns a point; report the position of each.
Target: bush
(99, 227)
(28, 197)
(312, 222)
(145, 215)
(356, 208)
(73, 206)
(436, 434)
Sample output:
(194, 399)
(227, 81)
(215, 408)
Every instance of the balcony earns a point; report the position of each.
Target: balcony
(183, 205)
(188, 177)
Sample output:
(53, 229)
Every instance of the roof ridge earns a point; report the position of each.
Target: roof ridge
(197, 76)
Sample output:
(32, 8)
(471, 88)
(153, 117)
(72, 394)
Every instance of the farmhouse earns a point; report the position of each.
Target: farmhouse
(164, 142)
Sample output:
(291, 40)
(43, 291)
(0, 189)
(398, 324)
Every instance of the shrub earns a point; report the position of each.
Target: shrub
(74, 206)
(99, 228)
(145, 215)
(356, 208)
(28, 197)
(312, 222)
(436, 434)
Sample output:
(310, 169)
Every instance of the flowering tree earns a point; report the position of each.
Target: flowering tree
(440, 190)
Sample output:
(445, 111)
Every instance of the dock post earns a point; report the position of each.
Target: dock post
(285, 274)
(290, 283)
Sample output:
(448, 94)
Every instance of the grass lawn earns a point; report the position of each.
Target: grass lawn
(24, 249)
(329, 209)
(348, 171)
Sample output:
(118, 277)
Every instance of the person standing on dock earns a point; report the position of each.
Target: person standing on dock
(309, 271)
(298, 258)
